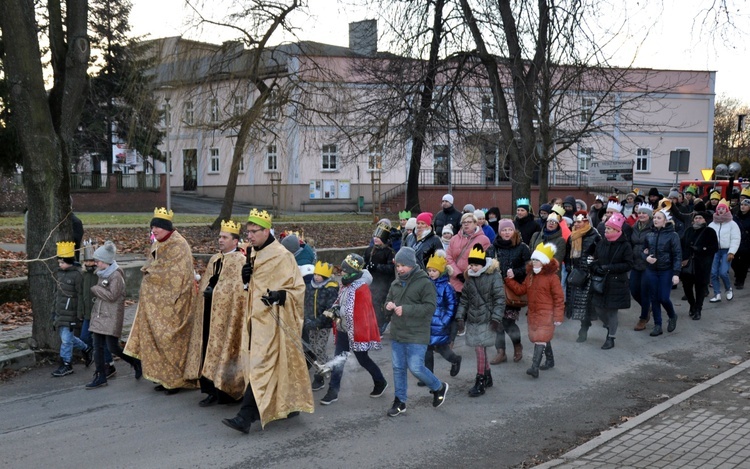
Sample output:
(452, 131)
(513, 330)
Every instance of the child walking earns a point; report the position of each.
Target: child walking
(546, 304)
(480, 310)
(320, 294)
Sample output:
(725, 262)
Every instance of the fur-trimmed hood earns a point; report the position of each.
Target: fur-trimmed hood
(491, 266)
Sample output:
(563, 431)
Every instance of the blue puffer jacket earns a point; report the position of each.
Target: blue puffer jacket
(440, 329)
(665, 245)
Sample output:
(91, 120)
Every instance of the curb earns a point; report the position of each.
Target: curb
(612, 433)
(18, 360)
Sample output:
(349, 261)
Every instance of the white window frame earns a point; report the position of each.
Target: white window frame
(375, 158)
(642, 154)
(585, 156)
(587, 109)
(329, 158)
(167, 115)
(214, 163)
(213, 108)
(189, 113)
(272, 158)
(238, 105)
(488, 108)
(272, 105)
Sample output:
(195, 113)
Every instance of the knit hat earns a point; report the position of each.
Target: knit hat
(106, 253)
(706, 216)
(673, 194)
(385, 221)
(616, 221)
(545, 208)
(88, 251)
(699, 206)
(448, 198)
(469, 208)
(404, 215)
(406, 256)
(523, 203)
(353, 264)
(581, 215)
(425, 217)
(614, 206)
(162, 219)
(477, 255)
(544, 253)
(382, 231)
(715, 195)
(447, 229)
(653, 191)
(479, 214)
(438, 261)
(505, 223)
(323, 269)
(645, 208)
(291, 243)
(558, 209)
(411, 223)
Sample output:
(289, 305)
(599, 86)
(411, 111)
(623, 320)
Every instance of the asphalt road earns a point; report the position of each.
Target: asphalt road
(54, 422)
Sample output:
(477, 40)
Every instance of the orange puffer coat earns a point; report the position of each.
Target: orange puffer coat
(546, 304)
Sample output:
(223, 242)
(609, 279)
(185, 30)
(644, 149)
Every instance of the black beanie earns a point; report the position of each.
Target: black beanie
(653, 191)
(162, 223)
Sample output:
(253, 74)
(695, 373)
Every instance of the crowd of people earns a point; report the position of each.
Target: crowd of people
(254, 330)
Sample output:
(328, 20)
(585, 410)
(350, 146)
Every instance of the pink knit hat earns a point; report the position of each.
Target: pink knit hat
(505, 223)
(615, 221)
(425, 217)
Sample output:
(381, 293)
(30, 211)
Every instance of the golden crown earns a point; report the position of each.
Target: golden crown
(161, 212)
(260, 218)
(231, 227)
(353, 261)
(66, 249)
(477, 253)
(323, 269)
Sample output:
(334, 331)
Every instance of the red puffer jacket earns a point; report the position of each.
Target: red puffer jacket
(546, 304)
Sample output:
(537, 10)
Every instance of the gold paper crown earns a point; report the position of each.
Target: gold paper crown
(353, 262)
(66, 249)
(260, 218)
(323, 269)
(477, 253)
(438, 261)
(161, 212)
(231, 227)
(544, 252)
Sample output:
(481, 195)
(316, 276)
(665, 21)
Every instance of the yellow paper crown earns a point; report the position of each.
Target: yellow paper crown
(476, 253)
(260, 218)
(715, 195)
(324, 269)
(161, 212)
(66, 249)
(231, 227)
(544, 253)
(723, 201)
(438, 261)
(746, 191)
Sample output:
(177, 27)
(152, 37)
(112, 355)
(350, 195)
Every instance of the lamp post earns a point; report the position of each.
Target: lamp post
(168, 122)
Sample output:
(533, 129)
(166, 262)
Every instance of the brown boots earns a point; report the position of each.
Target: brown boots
(499, 358)
(517, 352)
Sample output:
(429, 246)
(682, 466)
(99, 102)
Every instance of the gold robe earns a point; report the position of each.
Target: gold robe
(274, 362)
(222, 364)
(163, 324)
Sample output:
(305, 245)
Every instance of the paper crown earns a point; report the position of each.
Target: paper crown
(581, 215)
(746, 191)
(644, 208)
(477, 255)
(260, 218)
(664, 204)
(724, 202)
(523, 201)
(558, 209)
(600, 197)
(353, 261)
(66, 249)
(715, 195)
(438, 261)
(666, 214)
(404, 215)
(692, 189)
(544, 253)
(88, 251)
(323, 269)
(161, 212)
(614, 206)
(231, 227)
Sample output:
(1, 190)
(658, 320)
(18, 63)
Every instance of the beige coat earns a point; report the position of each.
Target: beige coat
(109, 305)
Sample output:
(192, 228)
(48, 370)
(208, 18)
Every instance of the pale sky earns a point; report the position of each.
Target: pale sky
(674, 43)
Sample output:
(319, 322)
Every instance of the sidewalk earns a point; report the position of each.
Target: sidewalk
(707, 426)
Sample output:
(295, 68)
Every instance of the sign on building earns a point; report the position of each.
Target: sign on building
(617, 174)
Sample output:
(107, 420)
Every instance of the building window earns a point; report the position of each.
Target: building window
(643, 160)
(238, 106)
(166, 110)
(584, 158)
(330, 158)
(272, 105)
(214, 109)
(168, 160)
(272, 161)
(242, 164)
(213, 160)
(375, 158)
(587, 110)
(488, 108)
(189, 116)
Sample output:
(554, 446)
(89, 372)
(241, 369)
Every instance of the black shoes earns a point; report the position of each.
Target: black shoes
(330, 397)
(656, 331)
(379, 388)
(478, 388)
(456, 366)
(210, 400)
(64, 370)
(487, 379)
(237, 423)
(100, 379)
(672, 323)
(438, 397)
(537, 359)
(88, 356)
(583, 334)
(318, 382)
(110, 371)
(549, 361)
(609, 343)
(397, 408)
(138, 369)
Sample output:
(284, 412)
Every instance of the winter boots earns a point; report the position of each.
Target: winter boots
(487, 379)
(100, 379)
(478, 388)
(499, 358)
(517, 352)
(583, 334)
(538, 352)
(549, 362)
(609, 343)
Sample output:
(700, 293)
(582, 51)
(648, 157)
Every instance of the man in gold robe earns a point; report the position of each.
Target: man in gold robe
(219, 320)
(163, 324)
(278, 384)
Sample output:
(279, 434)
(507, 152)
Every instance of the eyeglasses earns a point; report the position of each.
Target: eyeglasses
(254, 231)
(467, 222)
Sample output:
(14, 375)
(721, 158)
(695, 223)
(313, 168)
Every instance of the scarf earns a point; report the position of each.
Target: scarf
(108, 271)
(576, 241)
(487, 264)
(725, 218)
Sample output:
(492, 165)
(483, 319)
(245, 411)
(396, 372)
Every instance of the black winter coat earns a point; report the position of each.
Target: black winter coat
(615, 259)
(512, 257)
(425, 247)
(379, 262)
(637, 241)
(701, 244)
(743, 221)
(665, 245)
(445, 217)
(578, 299)
(527, 226)
(68, 297)
(317, 300)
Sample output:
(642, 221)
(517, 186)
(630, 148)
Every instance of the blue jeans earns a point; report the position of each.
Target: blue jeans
(89, 340)
(660, 287)
(564, 281)
(720, 269)
(363, 358)
(411, 356)
(69, 342)
(639, 291)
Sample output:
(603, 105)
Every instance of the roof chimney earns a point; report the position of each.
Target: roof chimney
(363, 37)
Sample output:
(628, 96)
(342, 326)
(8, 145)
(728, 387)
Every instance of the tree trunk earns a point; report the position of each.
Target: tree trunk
(45, 126)
(228, 202)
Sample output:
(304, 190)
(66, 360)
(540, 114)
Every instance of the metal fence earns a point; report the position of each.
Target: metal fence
(89, 181)
(139, 181)
(436, 177)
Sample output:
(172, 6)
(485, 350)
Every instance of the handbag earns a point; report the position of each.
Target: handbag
(598, 283)
(513, 300)
(688, 268)
(577, 277)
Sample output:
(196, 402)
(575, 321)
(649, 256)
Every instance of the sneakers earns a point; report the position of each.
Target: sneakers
(379, 388)
(672, 324)
(456, 366)
(330, 397)
(656, 331)
(88, 355)
(100, 379)
(318, 382)
(110, 371)
(730, 295)
(397, 408)
(64, 370)
(438, 397)
(717, 298)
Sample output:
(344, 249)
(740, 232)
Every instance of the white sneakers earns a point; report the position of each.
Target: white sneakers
(716, 299)
(730, 295)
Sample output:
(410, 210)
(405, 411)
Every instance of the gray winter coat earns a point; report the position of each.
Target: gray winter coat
(482, 301)
(109, 305)
(68, 302)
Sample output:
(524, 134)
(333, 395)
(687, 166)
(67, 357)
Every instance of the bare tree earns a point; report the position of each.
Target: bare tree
(732, 133)
(45, 123)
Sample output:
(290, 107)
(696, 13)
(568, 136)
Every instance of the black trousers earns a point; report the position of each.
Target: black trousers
(113, 344)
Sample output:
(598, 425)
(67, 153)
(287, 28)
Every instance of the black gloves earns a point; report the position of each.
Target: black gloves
(247, 272)
(273, 297)
(600, 269)
(461, 278)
